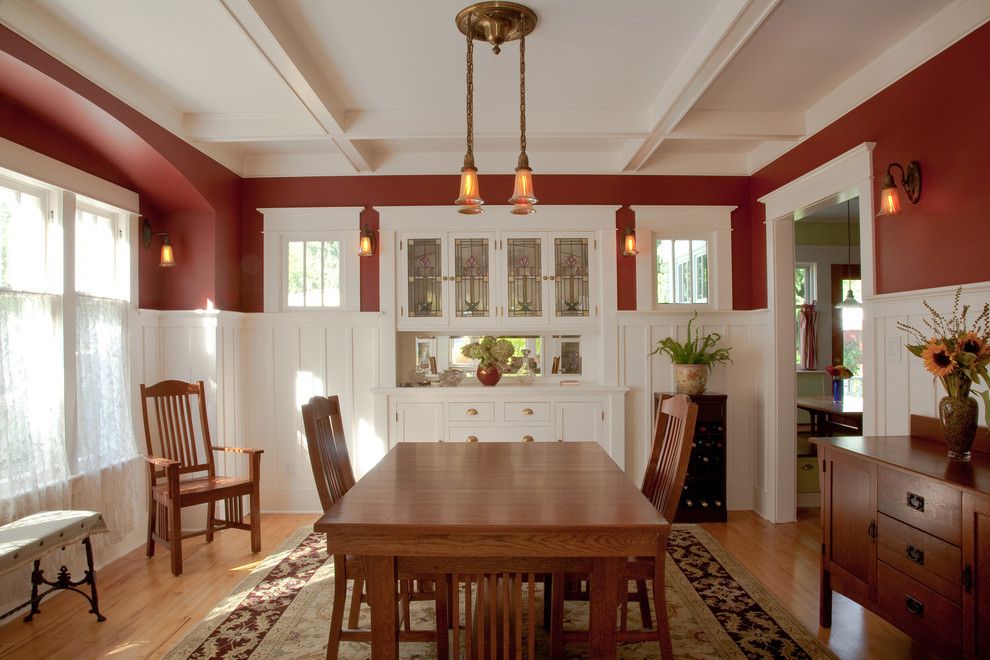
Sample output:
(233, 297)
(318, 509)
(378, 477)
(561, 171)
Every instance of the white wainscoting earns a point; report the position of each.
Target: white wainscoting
(904, 386)
(743, 381)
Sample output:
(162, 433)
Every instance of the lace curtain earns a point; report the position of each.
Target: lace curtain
(105, 449)
(33, 464)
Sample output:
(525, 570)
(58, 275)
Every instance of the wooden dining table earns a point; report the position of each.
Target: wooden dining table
(828, 415)
(490, 507)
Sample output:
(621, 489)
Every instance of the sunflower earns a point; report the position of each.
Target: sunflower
(973, 343)
(938, 359)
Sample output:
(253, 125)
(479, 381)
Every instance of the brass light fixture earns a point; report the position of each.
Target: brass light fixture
(850, 301)
(890, 201)
(496, 22)
(167, 259)
(367, 242)
(629, 242)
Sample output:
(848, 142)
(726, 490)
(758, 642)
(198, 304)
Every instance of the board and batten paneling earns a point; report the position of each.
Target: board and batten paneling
(742, 380)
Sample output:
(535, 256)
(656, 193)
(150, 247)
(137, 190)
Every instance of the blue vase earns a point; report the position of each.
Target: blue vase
(837, 390)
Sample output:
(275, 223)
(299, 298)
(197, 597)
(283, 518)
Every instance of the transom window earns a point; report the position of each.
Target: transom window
(314, 273)
(681, 271)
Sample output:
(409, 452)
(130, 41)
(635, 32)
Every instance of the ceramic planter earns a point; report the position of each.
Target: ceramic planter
(690, 379)
(488, 376)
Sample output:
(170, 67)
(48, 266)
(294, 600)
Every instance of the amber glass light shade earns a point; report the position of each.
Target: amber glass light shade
(470, 191)
(629, 243)
(522, 193)
(522, 209)
(367, 243)
(167, 259)
(890, 200)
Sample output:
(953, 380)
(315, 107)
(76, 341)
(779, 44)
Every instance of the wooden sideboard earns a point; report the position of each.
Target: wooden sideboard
(906, 533)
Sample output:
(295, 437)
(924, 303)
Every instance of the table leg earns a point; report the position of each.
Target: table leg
(380, 580)
(604, 594)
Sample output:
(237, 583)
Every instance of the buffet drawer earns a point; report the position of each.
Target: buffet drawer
(471, 411)
(921, 503)
(498, 434)
(535, 411)
(927, 559)
(919, 611)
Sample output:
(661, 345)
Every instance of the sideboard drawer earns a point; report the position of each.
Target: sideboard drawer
(498, 434)
(922, 503)
(471, 411)
(919, 611)
(927, 559)
(535, 411)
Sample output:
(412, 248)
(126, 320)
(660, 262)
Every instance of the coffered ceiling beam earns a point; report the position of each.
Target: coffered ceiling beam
(235, 127)
(739, 125)
(263, 23)
(729, 27)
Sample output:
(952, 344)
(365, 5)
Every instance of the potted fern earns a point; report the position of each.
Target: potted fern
(693, 358)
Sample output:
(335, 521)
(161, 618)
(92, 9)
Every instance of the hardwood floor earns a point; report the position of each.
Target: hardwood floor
(148, 610)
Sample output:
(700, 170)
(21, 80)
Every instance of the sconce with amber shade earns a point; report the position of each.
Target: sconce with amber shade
(629, 248)
(167, 259)
(367, 242)
(890, 200)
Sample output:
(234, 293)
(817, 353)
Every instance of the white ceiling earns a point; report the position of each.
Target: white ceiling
(311, 87)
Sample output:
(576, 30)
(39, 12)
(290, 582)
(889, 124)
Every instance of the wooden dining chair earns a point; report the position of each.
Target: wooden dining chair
(183, 473)
(334, 476)
(499, 615)
(666, 470)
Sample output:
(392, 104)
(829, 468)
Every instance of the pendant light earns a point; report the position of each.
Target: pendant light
(850, 301)
(522, 195)
(470, 198)
(496, 22)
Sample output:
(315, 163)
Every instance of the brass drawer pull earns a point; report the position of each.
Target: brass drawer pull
(916, 502)
(528, 412)
(917, 555)
(472, 438)
(471, 412)
(807, 466)
(560, 439)
(527, 438)
(914, 606)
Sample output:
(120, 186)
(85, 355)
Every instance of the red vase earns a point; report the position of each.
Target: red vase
(488, 376)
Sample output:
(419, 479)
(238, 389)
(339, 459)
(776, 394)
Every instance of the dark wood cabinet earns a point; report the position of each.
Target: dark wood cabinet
(703, 498)
(906, 533)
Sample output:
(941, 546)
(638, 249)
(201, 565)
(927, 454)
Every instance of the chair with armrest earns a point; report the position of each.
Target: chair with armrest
(183, 472)
(334, 476)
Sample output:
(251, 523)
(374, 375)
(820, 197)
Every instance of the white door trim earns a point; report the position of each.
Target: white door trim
(846, 176)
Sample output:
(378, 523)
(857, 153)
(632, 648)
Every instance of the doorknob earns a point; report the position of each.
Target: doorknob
(527, 438)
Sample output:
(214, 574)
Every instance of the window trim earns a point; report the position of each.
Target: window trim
(708, 223)
(316, 237)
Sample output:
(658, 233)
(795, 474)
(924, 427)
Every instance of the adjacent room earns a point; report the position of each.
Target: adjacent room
(639, 329)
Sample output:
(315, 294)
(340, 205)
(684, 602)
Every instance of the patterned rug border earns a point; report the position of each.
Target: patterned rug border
(705, 617)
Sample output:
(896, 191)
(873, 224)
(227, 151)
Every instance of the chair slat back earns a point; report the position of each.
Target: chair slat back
(666, 469)
(327, 449)
(172, 405)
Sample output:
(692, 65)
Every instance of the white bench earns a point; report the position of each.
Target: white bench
(31, 538)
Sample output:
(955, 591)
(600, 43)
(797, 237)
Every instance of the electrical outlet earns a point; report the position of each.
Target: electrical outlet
(290, 469)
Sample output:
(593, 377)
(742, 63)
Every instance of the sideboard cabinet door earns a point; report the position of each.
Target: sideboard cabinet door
(849, 493)
(418, 422)
(976, 576)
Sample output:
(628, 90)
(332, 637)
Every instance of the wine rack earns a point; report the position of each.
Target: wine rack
(703, 497)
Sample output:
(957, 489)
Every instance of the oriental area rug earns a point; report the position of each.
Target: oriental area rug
(717, 610)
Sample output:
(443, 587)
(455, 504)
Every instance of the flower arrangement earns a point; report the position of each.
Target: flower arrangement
(839, 371)
(695, 349)
(489, 352)
(955, 351)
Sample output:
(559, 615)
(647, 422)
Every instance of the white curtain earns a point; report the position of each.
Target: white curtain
(34, 468)
(105, 453)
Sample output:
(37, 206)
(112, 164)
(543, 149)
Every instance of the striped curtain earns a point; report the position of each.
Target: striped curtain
(807, 320)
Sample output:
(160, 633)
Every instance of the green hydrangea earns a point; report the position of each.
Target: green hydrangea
(489, 352)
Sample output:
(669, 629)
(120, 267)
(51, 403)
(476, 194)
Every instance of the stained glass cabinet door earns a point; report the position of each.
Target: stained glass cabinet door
(424, 260)
(572, 277)
(470, 292)
(526, 277)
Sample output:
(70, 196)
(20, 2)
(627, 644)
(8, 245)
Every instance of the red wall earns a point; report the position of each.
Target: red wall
(370, 191)
(939, 115)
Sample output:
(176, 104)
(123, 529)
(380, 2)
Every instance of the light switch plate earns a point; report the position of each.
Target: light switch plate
(894, 349)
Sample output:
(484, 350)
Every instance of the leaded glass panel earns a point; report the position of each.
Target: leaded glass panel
(525, 292)
(571, 273)
(424, 274)
(471, 271)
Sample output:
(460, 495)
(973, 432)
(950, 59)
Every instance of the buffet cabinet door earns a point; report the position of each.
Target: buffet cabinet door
(850, 524)
(422, 288)
(580, 421)
(418, 422)
(976, 576)
(573, 298)
(471, 298)
(525, 278)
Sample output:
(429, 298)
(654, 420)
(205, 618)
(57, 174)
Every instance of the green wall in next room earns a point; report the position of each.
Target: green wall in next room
(824, 233)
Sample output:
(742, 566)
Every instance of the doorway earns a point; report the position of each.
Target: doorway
(845, 178)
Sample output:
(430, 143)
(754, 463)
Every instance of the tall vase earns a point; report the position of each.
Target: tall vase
(488, 375)
(838, 391)
(958, 415)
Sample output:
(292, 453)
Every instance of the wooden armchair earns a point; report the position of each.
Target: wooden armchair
(334, 477)
(183, 473)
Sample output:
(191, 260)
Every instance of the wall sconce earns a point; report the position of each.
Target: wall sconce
(367, 242)
(629, 242)
(890, 201)
(167, 258)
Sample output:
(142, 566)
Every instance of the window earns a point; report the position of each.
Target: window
(847, 326)
(65, 342)
(313, 273)
(681, 271)
(804, 294)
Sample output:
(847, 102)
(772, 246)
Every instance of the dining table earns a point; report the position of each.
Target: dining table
(828, 415)
(541, 507)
